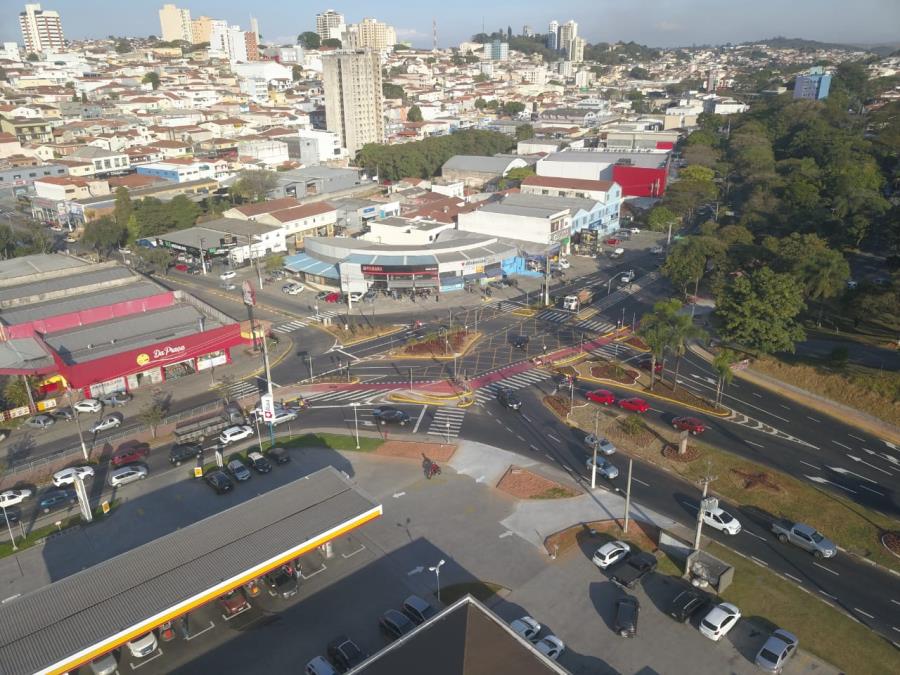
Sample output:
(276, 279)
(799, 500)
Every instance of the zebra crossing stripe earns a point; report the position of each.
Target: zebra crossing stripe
(289, 327)
(446, 422)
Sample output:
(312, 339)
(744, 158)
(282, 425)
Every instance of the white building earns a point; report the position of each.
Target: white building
(539, 225)
(330, 25)
(318, 147)
(10, 52)
(263, 150)
(369, 34)
(41, 29)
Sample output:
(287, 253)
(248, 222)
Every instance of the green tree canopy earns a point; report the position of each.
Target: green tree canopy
(524, 132)
(309, 40)
(333, 43)
(660, 218)
(759, 311)
(151, 78)
(638, 73)
(123, 46)
(414, 114)
(254, 185)
(152, 260)
(393, 91)
(513, 108)
(123, 207)
(103, 235)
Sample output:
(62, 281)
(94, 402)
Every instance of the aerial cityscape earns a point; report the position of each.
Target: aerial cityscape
(340, 344)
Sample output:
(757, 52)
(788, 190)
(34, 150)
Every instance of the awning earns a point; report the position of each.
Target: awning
(309, 265)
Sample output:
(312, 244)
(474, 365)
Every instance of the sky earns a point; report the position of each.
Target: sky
(658, 23)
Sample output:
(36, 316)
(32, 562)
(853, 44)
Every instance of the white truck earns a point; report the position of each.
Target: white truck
(578, 300)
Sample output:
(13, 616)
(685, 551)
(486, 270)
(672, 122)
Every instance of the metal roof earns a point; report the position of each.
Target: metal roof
(494, 165)
(36, 264)
(376, 259)
(78, 618)
(82, 277)
(308, 265)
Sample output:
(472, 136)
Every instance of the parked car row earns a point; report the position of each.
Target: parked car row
(549, 645)
(222, 480)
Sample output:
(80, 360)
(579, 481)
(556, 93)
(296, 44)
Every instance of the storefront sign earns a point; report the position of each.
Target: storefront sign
(398, 269)
(157, 354)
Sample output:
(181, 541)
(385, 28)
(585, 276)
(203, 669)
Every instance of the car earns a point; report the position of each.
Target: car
(332, 297)
(235, 434)
(13, 497)
(611, 553)
(293, 288)
(627, 611)
(564, 264)
(720, 619)
(417, 609)
(634, 404)
(321, 295)
(634, 568)
(67, 476)
(646, 363)
(233, 603)
(355, 296)
(13, 514)
(657, 250)
(281, 416)
(852, 284)
(634, 230)
(56, 499)
(508, 399)
(116, 398)
(228, 286)
(235, 413)
(237, 469)
(691, 424)
(127, 474)
(88, 405)
(40, 421)
(687, 603)
(106, 422)
(777, 651)
(628, 277)
(219, 482)
(282, 583)
(721, 520)
(258, 463)
(605, 468)
(395, 624)
(385, 414)
(527, 627)
(519, 341)
(183, 452)
(319, 666)
(344, 653)
(251, 588)
(105, 665)
(181, 267)
(604, 446)
(612, 241)
(617, 253)
(278, 455)
(228, 274)
(550, 646)
(130, 453)
(66, 414)
(602, 396)
(143, 646)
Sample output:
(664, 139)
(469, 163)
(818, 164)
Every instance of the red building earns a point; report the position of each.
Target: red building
(102, 328)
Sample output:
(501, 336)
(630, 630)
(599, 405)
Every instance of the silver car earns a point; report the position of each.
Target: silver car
(604, 468)
(127, 474)
(777, 651)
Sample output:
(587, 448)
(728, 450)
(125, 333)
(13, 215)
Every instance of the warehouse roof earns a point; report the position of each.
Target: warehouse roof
(82, 616)
(37, 264)
(82, 278)
(480, 164)
(647, 159)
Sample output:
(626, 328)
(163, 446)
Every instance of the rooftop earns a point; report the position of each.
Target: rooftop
(15, 268)
(208, 234)
(646, 159)
(31, 290)
(568, 183)
(251, 210)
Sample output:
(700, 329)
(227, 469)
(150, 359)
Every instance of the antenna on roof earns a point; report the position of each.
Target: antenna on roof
(434, 35)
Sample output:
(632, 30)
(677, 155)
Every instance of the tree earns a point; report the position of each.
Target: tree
(654, 330)
(759, 311)
(681, 330)
(686, 263)
(524, 132)
(151, 78)
(519, 174)
(124, 209)
(309, 40)
(480, 77)
(254, 185)
(123, 46)
(697, 173)
(33, 57)
(296, 73)
(103, 235)
(660, 218)
(154, 413)
(722, 365)
(821, 271)
(414, 114)
(155, 260)
(7, 241)
(393, 91)
(638, 73)
(19, 391)
(274, 262)
(513, 108)
(480, 103)
(332, 43)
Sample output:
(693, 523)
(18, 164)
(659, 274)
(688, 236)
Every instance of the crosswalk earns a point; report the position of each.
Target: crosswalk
(242, 389)
(597, 325)
(290, 326)
(554, 315)
(614, 351)
(527, 378)
(627, 290)
(447, 422)
(345, 396)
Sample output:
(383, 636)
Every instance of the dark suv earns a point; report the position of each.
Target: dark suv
(631, 570)
(57, 499)
(344, 653)
(384, 414)
(519, 341)
(627, 611)
(687, 603)
(182, 452)
(508, 399)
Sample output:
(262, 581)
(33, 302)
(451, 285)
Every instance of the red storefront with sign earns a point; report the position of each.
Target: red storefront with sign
(153, 363)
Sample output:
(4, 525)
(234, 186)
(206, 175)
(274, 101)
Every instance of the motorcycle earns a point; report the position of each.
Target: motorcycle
(433, 470)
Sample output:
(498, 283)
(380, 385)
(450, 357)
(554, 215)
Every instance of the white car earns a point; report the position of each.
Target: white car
(104, 423)
(230, 274)
(605, 468)
(610, 553)
(657, 250)
(88, 405)
(604, 446)
(355, 296)
(67, 476)
(721, 520)
(234, 434)
(564, 264)
(293, 288)
(127, 474)
(634, 230)
(527, 627)
(628, 277)
(13, 497)
(143, 646)
(551, 647)
(720, 619)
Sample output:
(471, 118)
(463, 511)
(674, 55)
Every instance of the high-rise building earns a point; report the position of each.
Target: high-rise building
(330, 25)
(218, 38)
(496, 51)
(354, 103)
(713, 77)
(175, 24)
(553, 35)
(567, 32)
(813, 85)
(254, 28)
(41, 29)
(370, 34)
(526, 31)
(201, 29)
(575, 51)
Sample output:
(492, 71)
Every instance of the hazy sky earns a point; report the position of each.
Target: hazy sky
(653, 22)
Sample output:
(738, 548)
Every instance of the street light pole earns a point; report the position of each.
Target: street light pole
(12, 537)
(356, 422)
(265, 342)
(84, 449)
(596, 444)
(437, 573)
(628, 496)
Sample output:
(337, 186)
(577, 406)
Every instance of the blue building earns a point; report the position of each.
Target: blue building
(812, 85)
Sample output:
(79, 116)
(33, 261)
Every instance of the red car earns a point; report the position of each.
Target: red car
(129, 454)
(634, 404)
(613, 241)
(601, 396)
(233, 603)
(646, 364)
(333, 297)
(691, 424)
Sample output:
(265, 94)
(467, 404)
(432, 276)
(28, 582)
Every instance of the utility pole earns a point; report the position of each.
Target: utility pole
(203, 255)
(84, 449)
(628, 496)
(596, 444)
(706, 504)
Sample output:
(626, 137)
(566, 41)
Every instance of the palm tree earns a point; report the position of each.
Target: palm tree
(722, 365)
(681, 330)
(655, 329)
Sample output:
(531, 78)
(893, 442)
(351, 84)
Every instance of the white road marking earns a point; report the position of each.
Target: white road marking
(753, 534)
(553, 438)
(526, 418)
(757, 395)
(857, 438)
(791, 576)
(419, 421)
(896, 602)
(533, 448)
(506, 534)
(864, 487)
(833, 597)
(761, 562)
(841, 444)
(397, 495)
(758, 445)
(811, 466)
(813, 419)
(857, 609)
(638, 480)
(827, 570)
(784, 406)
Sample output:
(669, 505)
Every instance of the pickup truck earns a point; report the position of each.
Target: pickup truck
(804, 536)
(631, 570)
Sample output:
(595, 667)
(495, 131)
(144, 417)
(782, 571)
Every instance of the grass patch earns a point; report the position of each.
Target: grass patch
(555, 493)
(824, 631)
(35, 536)
(755, 487)
(480, 590)
(875, 392)
(331, 441)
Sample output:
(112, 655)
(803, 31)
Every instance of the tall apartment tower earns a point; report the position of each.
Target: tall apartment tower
(575, 51)
(330, 24)
(567, 32)
(354, 103)
(813, 85)
(41, 29)
(553, 35)
(713, 77)
(370, 34)
(201, 29)
(175, 24)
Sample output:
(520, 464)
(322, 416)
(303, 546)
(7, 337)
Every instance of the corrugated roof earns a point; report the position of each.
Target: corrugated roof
(394, 260)
(495, 165)
(80, 278)
(308, 265)
(120, 596)
(36, 264)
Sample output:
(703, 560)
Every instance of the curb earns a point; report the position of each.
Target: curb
(431, 357)
(396, 330)
(651, 394)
